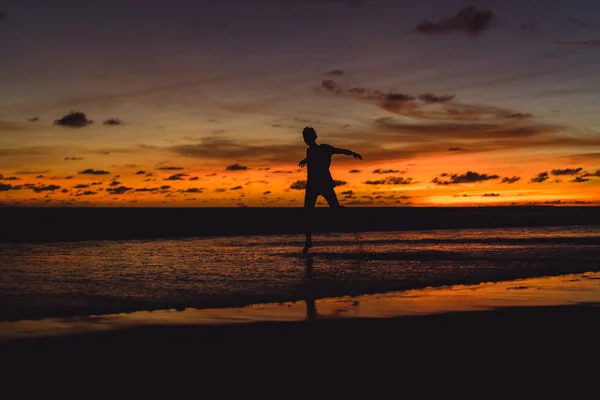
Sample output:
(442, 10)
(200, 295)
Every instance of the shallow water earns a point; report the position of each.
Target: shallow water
(105, 277)
(572, 289)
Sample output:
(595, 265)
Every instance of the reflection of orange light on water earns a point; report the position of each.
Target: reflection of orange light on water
(544, 291)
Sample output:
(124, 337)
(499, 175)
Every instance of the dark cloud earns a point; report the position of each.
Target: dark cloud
(236, 167)
(114, 183)
(298, 185)
(34, 119)
(580, 179)
(74, 120)
(567, 171)
(387, 171)
(219, 190)
(10, 178)
(267, 192)
(432, 98)
(81, 186)
(355, 171)
(191, 190)
(171, 168)
(339, 183)
(490, 195)
(42, 188)
(40, 177)
(509, 180)
(282, 172)
(236, 188)
(454, 149)
(587, 43)
(469, 177)
(194, 178)
(4, 187)
(119, 190)
(29, 172)
(541, 177)
(391, 180)
(335, 72)
(140, 172)
(165, 187)
(113, 122)
(176, 177)
(86, 193)
(347, 192)
(73, 158)
(596, 174)
(90, 171)
(471, 21)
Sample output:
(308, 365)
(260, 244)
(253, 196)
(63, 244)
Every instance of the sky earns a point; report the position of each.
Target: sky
(201, 104)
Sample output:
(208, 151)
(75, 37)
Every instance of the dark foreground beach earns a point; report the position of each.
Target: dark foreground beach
(508, 352)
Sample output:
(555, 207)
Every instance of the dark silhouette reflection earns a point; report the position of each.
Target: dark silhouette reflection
(308, 289)
(319, 181)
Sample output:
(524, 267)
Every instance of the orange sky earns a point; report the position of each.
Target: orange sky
(504, 115)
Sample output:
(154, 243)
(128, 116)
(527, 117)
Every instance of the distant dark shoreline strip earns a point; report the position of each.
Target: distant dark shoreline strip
(76, 224)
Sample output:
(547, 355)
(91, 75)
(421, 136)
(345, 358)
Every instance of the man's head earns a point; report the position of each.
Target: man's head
(309, 135)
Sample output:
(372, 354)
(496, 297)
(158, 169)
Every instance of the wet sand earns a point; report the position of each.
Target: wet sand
(529, 329)
(526, 347)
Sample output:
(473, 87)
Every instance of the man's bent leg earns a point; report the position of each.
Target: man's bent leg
(331, 198)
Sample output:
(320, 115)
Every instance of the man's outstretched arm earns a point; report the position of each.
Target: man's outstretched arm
(347, 152)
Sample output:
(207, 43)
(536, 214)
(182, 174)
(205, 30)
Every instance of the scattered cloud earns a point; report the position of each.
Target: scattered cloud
(140, 172)
(282, 172)
(355, 171)
(236, 188)
(339, 183)
(454, 149)
(580, 179)
(86, 193)
(171, 168)
(432, 98)
(191, 190)
(468, 177)
(236, 167)
(90, 171)
(10, 178)
(74, 120)
(509, 180)
(298, 185)
(567, 171)
(387, 171)
(193, 178)
(73, 158)
(490, 195)
(33, 119)
(4, 187)
(470, 20)
(119, 190)
(176, 177)
(267, 192)
(391, 180)
(113, 122)
(81, 186)
(541, 177)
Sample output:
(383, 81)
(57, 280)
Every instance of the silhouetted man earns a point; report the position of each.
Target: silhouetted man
(319, 180)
